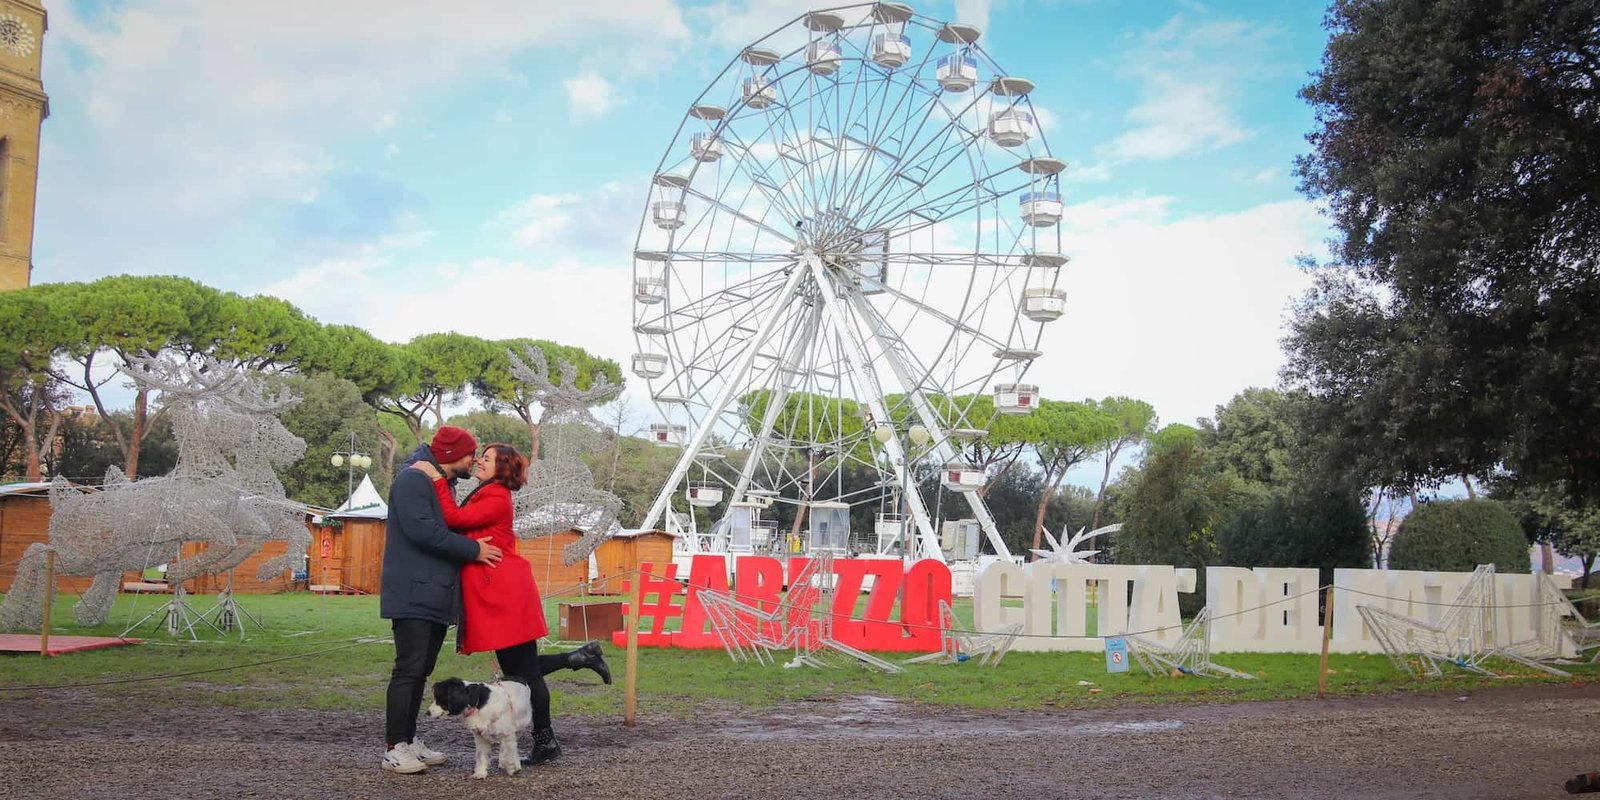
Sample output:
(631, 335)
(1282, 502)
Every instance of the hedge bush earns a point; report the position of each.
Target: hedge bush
(1458, 535)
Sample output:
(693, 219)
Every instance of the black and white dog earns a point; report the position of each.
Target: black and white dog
(494, 712)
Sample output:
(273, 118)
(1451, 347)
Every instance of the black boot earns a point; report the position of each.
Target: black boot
(590, 656)
(545, 748)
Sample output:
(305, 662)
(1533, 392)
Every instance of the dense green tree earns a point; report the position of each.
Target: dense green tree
(330, 410)
(87, 448)
(1253, 436)
(1136, 421)
(490, 426)
(1457, 149)
(1171, 509)
(380, 370)
(126, 315)
(1013, 502)
(32, 331)
(1459, 535)
(1170, 436)
(1551, 516)
(264, 333)
(439, 369)
(1296, 526)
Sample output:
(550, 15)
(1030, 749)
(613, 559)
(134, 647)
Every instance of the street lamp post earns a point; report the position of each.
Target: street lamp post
(351, 460)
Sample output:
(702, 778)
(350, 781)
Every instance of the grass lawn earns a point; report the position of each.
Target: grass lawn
(334, 657)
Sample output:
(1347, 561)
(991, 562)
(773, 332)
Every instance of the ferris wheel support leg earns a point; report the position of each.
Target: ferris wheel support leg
(929, 421)
(724, 396)
(774, 407)
(858, 365)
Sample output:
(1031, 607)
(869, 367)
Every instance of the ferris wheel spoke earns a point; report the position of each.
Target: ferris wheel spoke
(785, 159)
(910, 161)
(878, 144)
(729, 257)
(955, 324)
(954, 259)
(716, 303)
(756, 169)
(737, 331)
(948, 206)
(736, 213)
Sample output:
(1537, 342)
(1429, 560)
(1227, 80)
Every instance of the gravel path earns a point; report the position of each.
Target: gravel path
(1500, 743)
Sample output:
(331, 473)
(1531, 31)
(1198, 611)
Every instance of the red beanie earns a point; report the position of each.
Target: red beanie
(451, 443)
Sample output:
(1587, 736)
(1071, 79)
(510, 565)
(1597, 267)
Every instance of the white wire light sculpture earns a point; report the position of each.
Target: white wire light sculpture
(854, 231)
(223, 493)
(560, 494)
(1464, 636)
(1189, 655)
(957, 645)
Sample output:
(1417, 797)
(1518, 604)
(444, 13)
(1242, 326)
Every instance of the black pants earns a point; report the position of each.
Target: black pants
(416, 649)
(523, 662)
(550, 662)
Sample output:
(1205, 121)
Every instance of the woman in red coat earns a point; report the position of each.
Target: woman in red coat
(501, 604)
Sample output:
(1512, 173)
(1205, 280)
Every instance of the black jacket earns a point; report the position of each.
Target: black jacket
(421, 557)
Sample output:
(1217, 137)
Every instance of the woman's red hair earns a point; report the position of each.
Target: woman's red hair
(510, 468)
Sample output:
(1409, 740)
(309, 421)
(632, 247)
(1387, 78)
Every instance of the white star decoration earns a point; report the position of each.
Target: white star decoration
(1065, 550)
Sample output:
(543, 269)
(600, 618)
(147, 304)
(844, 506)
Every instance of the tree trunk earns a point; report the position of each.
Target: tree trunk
(387, 444)
(1472, 494)
(35, 468)
(141, 407)
(1046, 492)
(1548, 556)
(984, 492)
(1100, 496)
(1588, 565)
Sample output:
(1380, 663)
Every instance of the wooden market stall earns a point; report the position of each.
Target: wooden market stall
(619, 557)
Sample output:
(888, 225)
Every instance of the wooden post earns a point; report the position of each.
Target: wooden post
(1327, 636)
(630, 701)
(49, 600)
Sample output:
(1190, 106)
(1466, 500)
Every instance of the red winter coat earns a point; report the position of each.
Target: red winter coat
(501, 604)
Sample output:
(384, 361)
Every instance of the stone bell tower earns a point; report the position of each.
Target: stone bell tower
(23, 107)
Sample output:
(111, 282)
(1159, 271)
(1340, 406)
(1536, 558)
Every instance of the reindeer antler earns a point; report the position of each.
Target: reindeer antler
(182, 378)
(535, 372)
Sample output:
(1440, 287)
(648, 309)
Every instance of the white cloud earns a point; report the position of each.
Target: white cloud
(1188, 72)
(1182, 311)
(230, 107)
(1177, 117)
(1268, 175)
(590, 95)
(974, 12)
(601, 221)
(569, 301)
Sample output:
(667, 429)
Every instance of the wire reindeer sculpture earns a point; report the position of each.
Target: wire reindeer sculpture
(561, 494)
(223, 492)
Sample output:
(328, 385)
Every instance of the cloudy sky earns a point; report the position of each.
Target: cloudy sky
(482, 165)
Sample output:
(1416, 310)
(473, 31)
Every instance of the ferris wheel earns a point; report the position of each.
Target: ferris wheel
(850, 247)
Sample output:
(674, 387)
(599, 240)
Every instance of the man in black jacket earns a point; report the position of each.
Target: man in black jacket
(421, 589)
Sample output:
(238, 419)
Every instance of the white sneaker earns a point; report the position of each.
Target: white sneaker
(400, 759)
(426, 754)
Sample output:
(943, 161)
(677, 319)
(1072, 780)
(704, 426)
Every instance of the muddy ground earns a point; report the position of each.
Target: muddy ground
(1508, 742)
